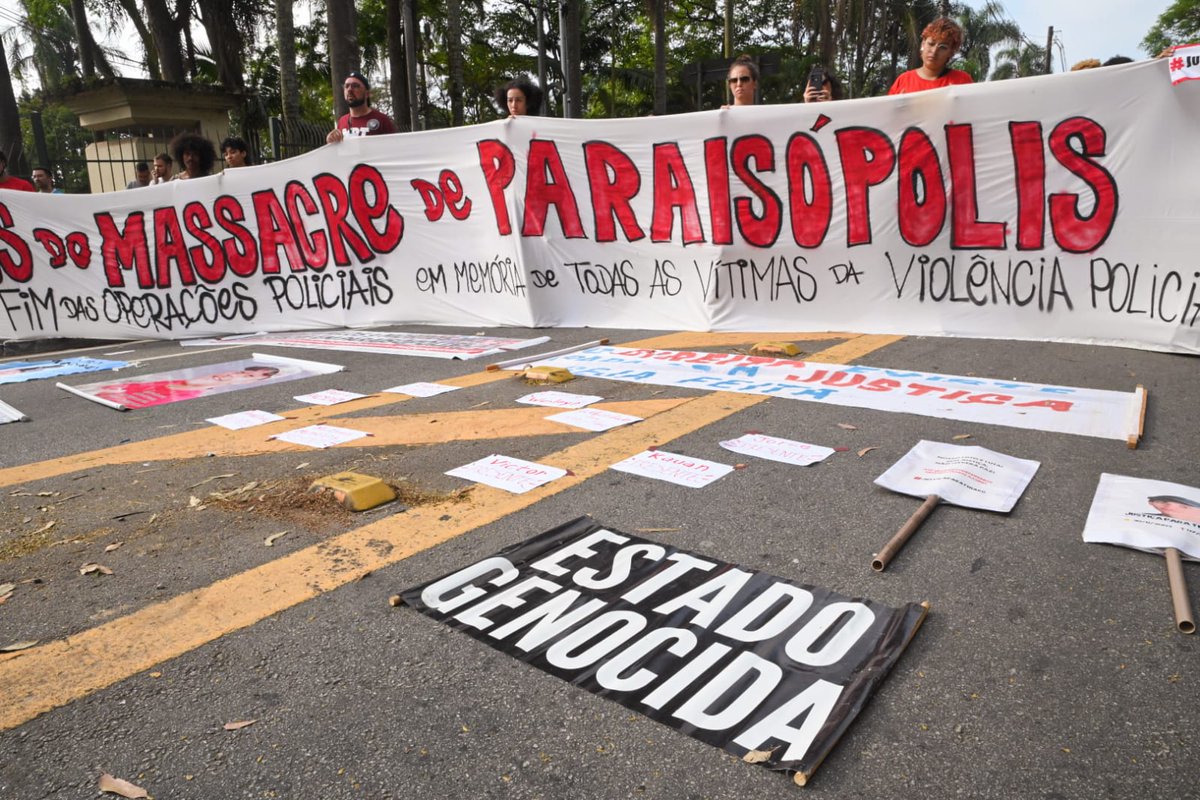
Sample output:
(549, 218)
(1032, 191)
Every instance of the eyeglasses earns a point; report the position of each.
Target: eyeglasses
(740, 79)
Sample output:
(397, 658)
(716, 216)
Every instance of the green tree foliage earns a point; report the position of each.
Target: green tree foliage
(1179, 24)
(866, 43)
(1020, 61)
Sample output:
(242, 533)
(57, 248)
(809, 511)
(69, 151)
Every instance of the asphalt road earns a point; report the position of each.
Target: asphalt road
(1046, 668)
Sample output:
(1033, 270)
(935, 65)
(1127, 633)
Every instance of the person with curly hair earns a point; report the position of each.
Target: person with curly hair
(236, 152)
(939, 43)
(520, 97)
(743, 81)
(195, 154)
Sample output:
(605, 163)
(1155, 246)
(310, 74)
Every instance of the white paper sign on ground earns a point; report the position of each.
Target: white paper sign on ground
(1146, 515)
(693, 473)
(594, 419)
(776, 449)
(320, 436)
(244, 419)
(559, 399)
(507, 473)
(422, 389)
(329, 397)
(1064, 409)
(974, 477)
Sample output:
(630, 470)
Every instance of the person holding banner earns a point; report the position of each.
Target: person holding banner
(519, 98)
(195, 153)
(743, 81)
(939, 43)
(362, 120)
(12, 181)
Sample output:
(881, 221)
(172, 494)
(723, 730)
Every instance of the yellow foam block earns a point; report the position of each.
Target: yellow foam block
(784, 349)
(547, 375)
(356, 492)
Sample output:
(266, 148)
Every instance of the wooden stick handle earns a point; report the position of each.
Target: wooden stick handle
(1179, 592)
(892, 547)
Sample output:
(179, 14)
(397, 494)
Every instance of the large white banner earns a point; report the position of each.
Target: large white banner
(1060, 207)
(1060, 409)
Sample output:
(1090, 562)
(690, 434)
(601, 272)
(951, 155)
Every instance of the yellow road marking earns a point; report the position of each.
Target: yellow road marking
(42, 678)
(691, 339)
(218, 440)
(410, 429)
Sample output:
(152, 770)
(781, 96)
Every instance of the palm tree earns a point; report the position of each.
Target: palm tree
(1020, 61)
(983, 29)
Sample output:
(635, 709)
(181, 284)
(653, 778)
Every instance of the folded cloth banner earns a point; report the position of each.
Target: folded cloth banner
(21, 371)
(1062, 409)
(1145, 514)
(1030, 209)
(734, 657)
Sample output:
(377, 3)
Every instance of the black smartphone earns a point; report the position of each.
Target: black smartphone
(816, 79)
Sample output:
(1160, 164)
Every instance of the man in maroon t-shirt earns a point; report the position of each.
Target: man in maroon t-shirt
(362, 119)
(11, 181)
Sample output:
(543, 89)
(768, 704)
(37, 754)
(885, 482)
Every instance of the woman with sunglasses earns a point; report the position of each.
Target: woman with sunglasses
(743, 81)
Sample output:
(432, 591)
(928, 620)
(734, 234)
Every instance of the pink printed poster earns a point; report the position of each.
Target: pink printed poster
(160, 388)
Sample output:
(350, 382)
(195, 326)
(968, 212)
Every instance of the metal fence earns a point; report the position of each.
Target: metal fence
(84, 161)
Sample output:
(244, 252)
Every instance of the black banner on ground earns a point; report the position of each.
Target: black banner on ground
(731, 656)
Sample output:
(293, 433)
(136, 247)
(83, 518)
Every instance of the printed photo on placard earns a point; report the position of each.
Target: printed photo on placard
(1146, 515)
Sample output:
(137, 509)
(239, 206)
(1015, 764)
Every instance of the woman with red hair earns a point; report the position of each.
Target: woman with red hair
(939, 42)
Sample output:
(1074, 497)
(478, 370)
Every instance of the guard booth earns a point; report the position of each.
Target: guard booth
(134, 120)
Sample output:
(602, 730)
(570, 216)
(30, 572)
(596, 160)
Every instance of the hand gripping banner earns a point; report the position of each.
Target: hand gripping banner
(734, 657)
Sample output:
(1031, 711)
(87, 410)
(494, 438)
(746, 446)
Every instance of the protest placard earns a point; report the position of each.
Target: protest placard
(734, 657)
(1153, 516)
(964, 475)
(320, 436)
(693, 473)
(510, 474)
(245, 419)
(552, 399)
(774, 448)
(329, 397)
(969, 476)
(422, 389)
(594, 419)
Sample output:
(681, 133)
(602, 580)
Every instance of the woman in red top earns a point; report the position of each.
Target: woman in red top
(939, 42)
